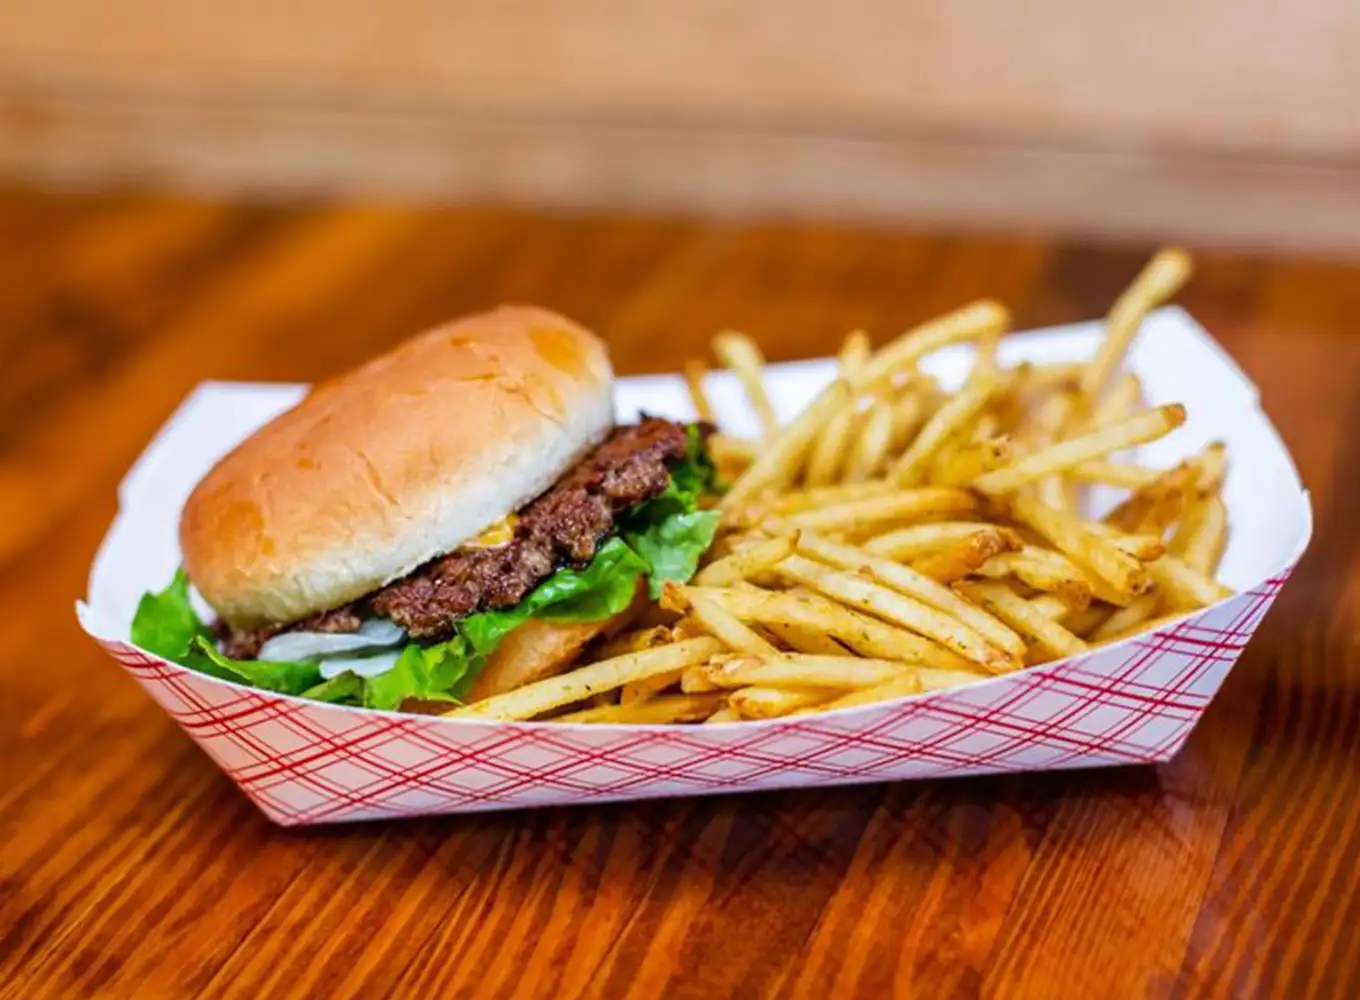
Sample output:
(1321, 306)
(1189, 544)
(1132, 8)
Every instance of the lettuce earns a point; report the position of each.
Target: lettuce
(661, 539)
(167, 624)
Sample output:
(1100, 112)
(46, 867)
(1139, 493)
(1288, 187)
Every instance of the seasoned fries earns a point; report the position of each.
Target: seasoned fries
(739, 353)
(857, 591)
(894, 538)
(1057, 458)
(900, 506)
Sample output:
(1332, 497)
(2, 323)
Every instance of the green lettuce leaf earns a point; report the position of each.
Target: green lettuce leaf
(166, 623)
(672, 547)
(283, 676)
(342, 689)
(662, 539)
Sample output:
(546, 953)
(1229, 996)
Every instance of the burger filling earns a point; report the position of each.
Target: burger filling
(626, 512)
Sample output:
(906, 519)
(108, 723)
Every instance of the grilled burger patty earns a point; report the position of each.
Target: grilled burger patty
(564, 526)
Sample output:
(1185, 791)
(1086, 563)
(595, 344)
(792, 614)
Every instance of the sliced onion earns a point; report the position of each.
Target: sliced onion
(364, 666)
(374, 633)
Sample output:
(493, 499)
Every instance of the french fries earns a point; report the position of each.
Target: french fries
(908, 581)
(1112, 564)
(1015, 611)
(694, 372)
(894, 538)
(948, 421)
(862, 633)
(740, 353)
(797, 670)
(554, 692)
(1058, 458)
(653, 712)
(883, 602)
(968, 555)
(1156, 283)
(903, 505)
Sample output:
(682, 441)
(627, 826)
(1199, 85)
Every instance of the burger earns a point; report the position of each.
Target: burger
(451, 520)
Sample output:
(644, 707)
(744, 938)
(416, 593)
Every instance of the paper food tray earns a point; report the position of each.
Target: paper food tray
(305, 762)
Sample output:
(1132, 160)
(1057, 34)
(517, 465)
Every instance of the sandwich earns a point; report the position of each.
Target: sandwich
(451, 520)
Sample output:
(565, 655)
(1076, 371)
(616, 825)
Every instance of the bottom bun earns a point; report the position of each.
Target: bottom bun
(539, 649)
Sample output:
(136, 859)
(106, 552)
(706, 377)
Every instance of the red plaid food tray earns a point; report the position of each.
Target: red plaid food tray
(303, 762)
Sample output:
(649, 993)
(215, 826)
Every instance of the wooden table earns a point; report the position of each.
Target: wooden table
(130, 868)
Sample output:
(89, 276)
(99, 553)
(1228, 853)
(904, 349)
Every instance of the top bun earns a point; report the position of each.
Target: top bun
(404, 459)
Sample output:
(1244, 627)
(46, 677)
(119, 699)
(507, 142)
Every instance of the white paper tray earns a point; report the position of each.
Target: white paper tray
(306, 762)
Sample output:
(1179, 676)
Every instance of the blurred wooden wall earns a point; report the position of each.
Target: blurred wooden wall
(1228, 120)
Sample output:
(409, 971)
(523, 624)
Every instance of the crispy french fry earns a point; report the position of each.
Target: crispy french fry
(870, 449)
(1213, 467)
(909, 413)
(948, 420)
(725, 714)
(781, 455)
(809, 498)
(862, 633)
(1158, 281)
(863, 515)
(1059, 376)
(919, 681)
(1122, 399)
(1083, 623)
(969, 461)
(714, 619)
(634, 641)
(856, 591)
(770, 703)
(638, 691)
(1123, 474)
(964, 557)
(747, 562)
(1183, 587)
(828, 450)
(1041, 428)
(916, 585)
(655, 711)
(797, 670)
(1141, 547)
(1071, 537)
(1032, 567)
(1145, 627)
(891, 690)
(984, 360)
(1126, 619)
(1140, 428)
(554, 692)
(694, 372)
(1050, 606)
(969, 323)
(694, 680)
(1016, 612)
(1151, 508)
(802, 639)
(906, 544)
(740, 353)
(1205, 536)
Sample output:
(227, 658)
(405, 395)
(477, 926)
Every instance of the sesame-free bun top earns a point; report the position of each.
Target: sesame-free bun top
(399, 461)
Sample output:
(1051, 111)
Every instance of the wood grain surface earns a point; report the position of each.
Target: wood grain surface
(129, 867)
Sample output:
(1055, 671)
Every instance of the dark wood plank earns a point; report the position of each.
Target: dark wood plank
(129, 867)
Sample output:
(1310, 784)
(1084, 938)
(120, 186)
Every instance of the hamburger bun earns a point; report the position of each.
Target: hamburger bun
(401, 460)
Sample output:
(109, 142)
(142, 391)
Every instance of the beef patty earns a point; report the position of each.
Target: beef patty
(562, 527)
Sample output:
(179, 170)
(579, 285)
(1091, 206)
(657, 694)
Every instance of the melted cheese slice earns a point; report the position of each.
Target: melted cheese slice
(500, 533)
